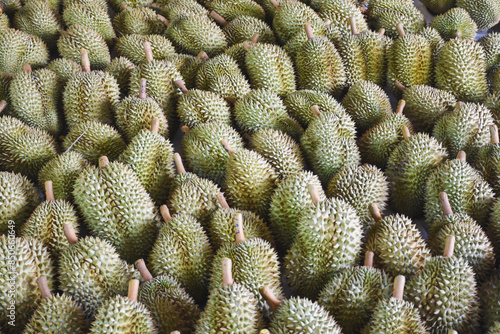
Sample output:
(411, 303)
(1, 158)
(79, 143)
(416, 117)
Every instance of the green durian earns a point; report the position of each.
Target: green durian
(290, 18)
(339, 12)
(173, 8)
(132, 47)
(375, 46)
(387, 14)
(486, 13)
(197, 107)
(491, 47)
(455, 23)
(65, 3)
(231, 9)
(90, 16)
(120, 5)
(64, 69)
(487, 161)
(489, 294)
(495, 328)
(4, 21)
(5, 80)
(10, 6)
(493, 228)
(188, 66)
(353, 56)
(439, 6)
(121, 68)
(493, 101)
(435, 40)
(294, 44)
(19, 48)
(139, 21)
(243, 28)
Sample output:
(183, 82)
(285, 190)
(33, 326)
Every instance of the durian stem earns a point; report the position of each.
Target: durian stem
(381, 32)
(155, 125)
(179, 164)
(493, 132)
(84, 55)
(227, 274)
(147, 51)
(219, 19)
(49, 191)
(406, 133)
(103, 161)
(203, 55)
(309, 32)
(27, 68)
(275, 4)
(264, 331)
(255, 38)
(328, 22)
(449, 246)
(180, 84)
(399, 85)
(352, 23)
(222, 201)
(462, 156)
(185, 129)
(445, 204)
(452, 331)
(141, 266)
(226, 146)
(369, 259)
(175, 332)
(142, 88)
(133, 289)
(399, 287)
(400, 29)
(70, 234)
(270, 298)
(238, 228)
(314, 192)
(43, 286)
(124, 6)
(458, 34)
(231, 99)
(363, 10)
(315, 110)
(165, 213)
(3, 105)
(247, 46)
(162, 19)
(401, 107)
(375, 212)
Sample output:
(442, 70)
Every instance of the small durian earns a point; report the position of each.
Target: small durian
(64, 69)
(439, 6)
(243, 28)
(196, 107)
(90, 16)
(339, 13)
(121, 68)
(489, 294)
(491, 46)
(387, 14)
(487, 161)
(455, 23)
(231, 9)
(139, 21)
(188, 66)
(19, 48)
(65, 3)
(132, 47)
(486, 13)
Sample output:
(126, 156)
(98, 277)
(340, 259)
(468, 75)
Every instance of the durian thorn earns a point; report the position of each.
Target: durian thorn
(143, 269)
(247, 46)
(375, 212)
(226, 146)
(133, 289)
(352, 23)
(219, 19)
(275, 4)
(142, 88)
(449, 246)
(147, 51)
(401, 107)
(238, 227)
(155, 125)
(49, 191)
(185, 129)
(309, 32)
(70, 234)
(227, 274)
(165, 213)
(203, 55)
(27, 68)
(406, 133)
(315, 110)
(369, 259)
(493, 132)
(458, 34)
(3, 105)
(399, 287)
(445, 204)
(103, 161)
(181, 85)
(314, 192)
(462, 156)
(123, 5)
(270, 298)
(84, 55)
(400, 29)
(381, 32)
(255, 38)
(43, 286)
(222, 201)
(399, 85)
(162, 19)
(179, 164)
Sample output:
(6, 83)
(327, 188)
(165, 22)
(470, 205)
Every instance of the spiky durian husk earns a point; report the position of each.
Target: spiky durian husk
(140, 21)
(131, 47)
(465, 129)
(435, 40)
(312, 258)
(375, 49)
(242, 29)
(174, 8)
(408, 168)
(294, 44)
(495, 328)
(19, 198)
(461, 70)
(491, 46)
(231, 9)
(203, 152)
(388, 13)
(439, 6)
(150, 156)
(445, 294)
(487, 162)
(90, 16)
(353, 57)
(64, 69)
(10, 6)
(65, 3)
(231, 308)
(121, 68)
(4, 22)
(197, 107)
(453, 23)
(352, 295)
(58, 314)
(19, 48)
(486, 13)
(367, 104)
(22, 260)
(493, 228)
(489, 294)
(188, 66)
(24, 149)
(117, 4)
(5, 80)
(339, 12)
(468, 192)
(290, 18)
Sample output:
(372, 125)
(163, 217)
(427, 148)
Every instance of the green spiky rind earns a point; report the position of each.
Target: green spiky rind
(231, 9)
(494, 80)
(140, 21)
(445, 294)
(467, 191)
(486, 13)
(280, 150)
(435, 40)
(353, 294)
(471, 242)
(59, 314)
(487, 162)
(188, 67)
(5, 80)
(121, 68)
(293, 45)
(19, 198)
(339, 12)
(491, 46)
(175, 8)
(461, 70)
(64, 68)
(408, 168)
(170, 305)
(24, 149)
(230, 308)
(269, 67)
(62, 170)
(297, 314)
(288, 203)
(79, 37)
(103, 196)
(19, 48)
(320, 67)
(395, 316)
(495, 328)
(117, 4)
(489, 294)
(10, 6)
(150, 155)
(197, 107)
(96, 140)
(182, 250)
(375, 49)
(30, 260)
(195, 33)
(299, 103)
(194, 195)
(465, 129)
(243, 28)
(238, 52)
(367, 104)
(453, 22)
(131, 47)
(91, 16)
(203, 152)
(223, 76)
(290, 18)
(425, 105)
(439, 6)
(493, 228)
(353, 57)
(39, 19)
(250, 181)
(4, 22)
(34, 97)
(312, 260)
(65, 3)
(388, 13)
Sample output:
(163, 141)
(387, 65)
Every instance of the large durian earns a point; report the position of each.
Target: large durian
(439, 6)
(64, 69)
(486, 13)
(140, 21)
(197, 107)
(290, 18)
(121, 68)
(491, 46)
(455, 23)
(90, 16)
(19, 48)
(387, 14)
(339, 13)
(243, 28)
(487, 161)
(231, 9)
(132, 47)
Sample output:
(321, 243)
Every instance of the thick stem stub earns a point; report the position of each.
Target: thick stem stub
(165, 213)
(70, 234)
(43, 286)
(141, 266)
(49, 191)
(238, 227)
(369, 259)
(449, 246)
(179, 164)
(227, 274)
(375, 213)
(445, 204)
(399, 287)
(133, 289)
(84, 54)
(270, 297)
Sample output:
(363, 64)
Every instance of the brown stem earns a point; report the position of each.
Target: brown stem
(203, 55)
(222, 201)
(449, 246)
(406, 133)
(103, 161)
(369, 259)
(141, 266)
(315, 110)
(462, 156)
(247, 46)
(155, 125)
(445, 204)
(84, 54)
(163, 19)
(309, 32)
(227, 274)
(270, 298)
(124, 6)
(314, 192)
(381, 31)
(27, 68)
(255, 38)
(179, 164)
(458, 34)
(400, 29)
(43, 286)
(3, 105)
(226, 146)
(375, 212)
(180, 84)
(452, 331)
(148, 51)
(352, 23)
(399, 85)
(399, 287)
(185, 129)
(238, 228)
(142, 88)
(401, 106)
(493, 133)
(264, 331)
(175, 332)
(49, 191)
(275, 4)
(165, 213)
(133, 289)
(219, 19)
(70, 234)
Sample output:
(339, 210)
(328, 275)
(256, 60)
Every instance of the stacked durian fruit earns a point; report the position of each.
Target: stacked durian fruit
(242, 166)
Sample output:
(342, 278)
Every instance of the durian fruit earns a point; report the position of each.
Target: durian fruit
(118, 209)
(19, 48)
(313, 256)
(196, 107)
(296, 314)
(461, 70)
(56, 314)
(232, 9)
(79, 37)
(188, 66)
(34, 96)
(288, 203)
(263, 109)
(487, 160)
(65, 3)
(19, 198)
(445, 294)
(495, 329)
(5, 80)
(439, 6)
(182, 250)
(203, 152)
(243, 28)
(489, 294)
(174, 8)
(140, 21)
(121, 68)
(491, 45)
(375, 47)
(486, 13)
(493, 228)
(92, 140)
(170, 305)
(64, 69)
(397, 244)
(10, 6)
(294, 44)
(394, 315)
(387, 14)
(408, 168)
(132, 47)
(435, 40)
(231, 306)
(4, 21)
(352, 294)
(121, 315)
(367, 104)
(471, 242)
(22, 261)
(339, 13)
(90, 16)
(468, 191)
(455, 23)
